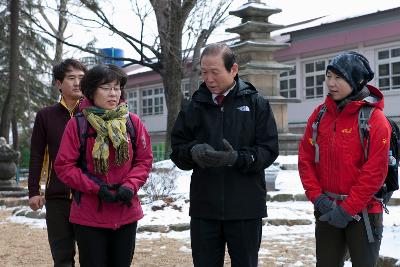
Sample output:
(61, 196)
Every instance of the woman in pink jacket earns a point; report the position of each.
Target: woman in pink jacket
(106, 179)
(336, 176)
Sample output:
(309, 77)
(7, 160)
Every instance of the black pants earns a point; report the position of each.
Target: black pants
(101, 247)
(208, 238)
(332, 243)
(60, 232)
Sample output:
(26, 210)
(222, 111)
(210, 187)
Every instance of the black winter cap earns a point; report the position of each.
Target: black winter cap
(353, 67)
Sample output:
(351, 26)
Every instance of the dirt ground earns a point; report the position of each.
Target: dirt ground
(23, 246)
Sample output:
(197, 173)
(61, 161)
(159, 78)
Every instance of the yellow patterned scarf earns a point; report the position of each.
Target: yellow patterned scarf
(109, 125)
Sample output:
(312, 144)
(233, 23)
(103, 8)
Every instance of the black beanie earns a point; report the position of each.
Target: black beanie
(353, 67)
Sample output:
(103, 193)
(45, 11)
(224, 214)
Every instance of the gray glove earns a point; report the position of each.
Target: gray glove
(198, 153)
(227, 157)
(323, 204)
(337, 217)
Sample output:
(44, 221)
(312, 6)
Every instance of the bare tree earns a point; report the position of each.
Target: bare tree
(60, 29)
(210, 19)
(57, 31)
(164, 54)
(8, 109)
(171, 17)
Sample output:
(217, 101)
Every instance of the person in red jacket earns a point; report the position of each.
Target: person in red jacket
(106, 212)
(336, 177)
(45, 141)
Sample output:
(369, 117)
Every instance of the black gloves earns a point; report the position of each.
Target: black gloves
(105, 194)
(125, 195)
(206, 156)
(198, 154)
(227, 157)
(337, 217)
(323, 204)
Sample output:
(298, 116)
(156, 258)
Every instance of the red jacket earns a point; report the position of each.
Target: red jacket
(342, 169)
(131, 174)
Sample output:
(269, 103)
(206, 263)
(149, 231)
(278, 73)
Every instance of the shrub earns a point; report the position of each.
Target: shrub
(161, 183)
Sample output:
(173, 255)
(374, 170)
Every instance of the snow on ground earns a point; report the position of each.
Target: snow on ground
(287, 182)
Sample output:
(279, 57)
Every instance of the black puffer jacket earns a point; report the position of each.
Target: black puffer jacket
(247, 122)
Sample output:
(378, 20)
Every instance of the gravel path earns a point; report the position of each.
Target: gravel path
(22, 245)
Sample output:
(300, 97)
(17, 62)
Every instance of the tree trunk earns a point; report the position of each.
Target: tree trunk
(62, 24)
(195, 70)
(171, 16)
(173, 98)
(9, 103)
(14, 129)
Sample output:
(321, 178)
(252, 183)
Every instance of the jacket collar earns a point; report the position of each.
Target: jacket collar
(64, 104)
(375, 99)
(241, 88)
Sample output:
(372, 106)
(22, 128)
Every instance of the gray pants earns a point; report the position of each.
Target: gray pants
(332, 243)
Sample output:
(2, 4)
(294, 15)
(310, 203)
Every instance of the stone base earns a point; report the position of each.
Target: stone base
(14, 192)
(289, 143)
(10, 185)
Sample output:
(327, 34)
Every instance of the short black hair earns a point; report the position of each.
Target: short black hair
(60, 69)
(228, 56)
(102, 74)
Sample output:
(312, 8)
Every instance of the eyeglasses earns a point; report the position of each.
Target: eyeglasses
(109, 88)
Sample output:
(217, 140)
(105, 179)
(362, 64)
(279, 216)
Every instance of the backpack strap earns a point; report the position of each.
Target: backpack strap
(364, 128)
(83, 134)
(315, 131)
(131, 130)
(356, 217)
(82, 126)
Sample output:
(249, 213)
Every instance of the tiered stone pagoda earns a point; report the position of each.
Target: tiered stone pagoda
(256, 64)
(8, 168)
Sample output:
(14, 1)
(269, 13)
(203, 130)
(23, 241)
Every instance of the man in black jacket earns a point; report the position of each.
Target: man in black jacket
(227, 135)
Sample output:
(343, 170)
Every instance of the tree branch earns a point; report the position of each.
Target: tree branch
(151, 64)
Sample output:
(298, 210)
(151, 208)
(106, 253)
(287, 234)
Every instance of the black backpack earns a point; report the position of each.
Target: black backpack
(83, 132)
(391, 183)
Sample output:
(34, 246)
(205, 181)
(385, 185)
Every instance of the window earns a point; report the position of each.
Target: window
(185, 88)
(314, 78)
(288, 83)
(152, 101)
(389, 69)
(158, 151)
(133, 102)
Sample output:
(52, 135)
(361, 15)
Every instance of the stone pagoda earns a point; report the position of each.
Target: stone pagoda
(8, 168)
(254, 53)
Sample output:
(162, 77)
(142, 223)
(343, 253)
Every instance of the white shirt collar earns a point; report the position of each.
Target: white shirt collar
(225, 94)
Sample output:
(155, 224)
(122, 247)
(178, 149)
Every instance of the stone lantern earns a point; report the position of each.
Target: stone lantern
(8, 168)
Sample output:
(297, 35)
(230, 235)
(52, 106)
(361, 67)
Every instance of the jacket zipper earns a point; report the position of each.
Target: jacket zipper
(223, 178)
(331, 150)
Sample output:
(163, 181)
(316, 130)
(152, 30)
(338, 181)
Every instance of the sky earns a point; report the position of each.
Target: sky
(293, 11)
(287, 182)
